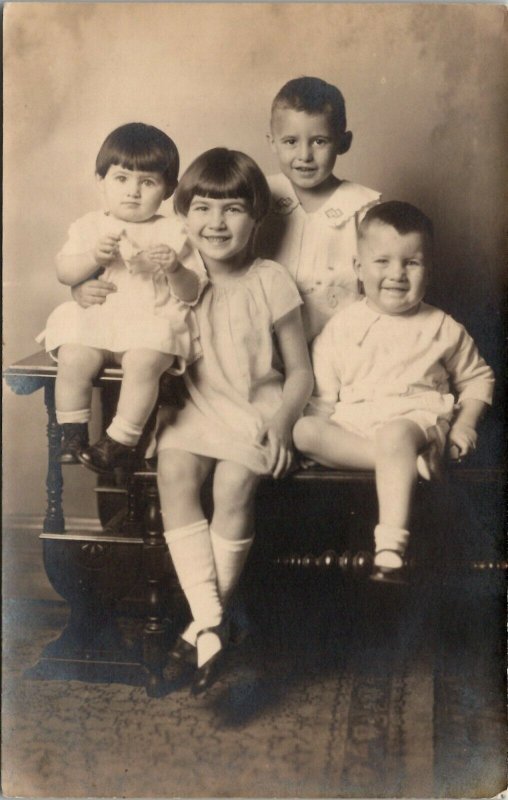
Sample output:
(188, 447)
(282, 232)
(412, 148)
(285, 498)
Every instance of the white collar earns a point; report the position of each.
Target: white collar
(428, 320)
(346, 201)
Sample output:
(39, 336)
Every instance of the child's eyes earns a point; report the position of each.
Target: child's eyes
(236, 209)
(120, 178)
(321, 142)
(290, 141)
(414, 263)
(148, 182)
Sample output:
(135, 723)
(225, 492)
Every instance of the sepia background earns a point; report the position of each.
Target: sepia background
(426, 94)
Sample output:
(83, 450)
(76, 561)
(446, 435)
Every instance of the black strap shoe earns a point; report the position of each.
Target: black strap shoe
(391, 575)
(106, 455)
(206, 675)
(74, 440)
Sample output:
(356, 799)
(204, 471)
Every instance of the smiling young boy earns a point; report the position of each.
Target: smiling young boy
(395, 378)
(312, 225)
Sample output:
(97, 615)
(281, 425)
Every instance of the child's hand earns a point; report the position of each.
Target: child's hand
(106, 249)
(163, 258)
(461, 441)
(92, 292)
(277, 434)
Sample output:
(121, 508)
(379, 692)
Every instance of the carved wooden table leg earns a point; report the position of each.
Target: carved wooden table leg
(154, 562)
(54, 520)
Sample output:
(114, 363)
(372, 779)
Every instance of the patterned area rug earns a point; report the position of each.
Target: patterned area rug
(355, 694)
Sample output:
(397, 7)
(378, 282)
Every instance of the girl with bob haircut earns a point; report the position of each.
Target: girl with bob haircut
(245, 395)
(222, 173)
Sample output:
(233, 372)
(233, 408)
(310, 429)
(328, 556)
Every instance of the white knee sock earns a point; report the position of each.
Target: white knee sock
(387, 537)
(192, 556)
(230, 556)
(82, 415)
(125, 432)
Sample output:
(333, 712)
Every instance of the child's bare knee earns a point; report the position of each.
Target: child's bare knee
(395, 437)
(145, 364)
(233, 489)
(304, 434)
(83, 362)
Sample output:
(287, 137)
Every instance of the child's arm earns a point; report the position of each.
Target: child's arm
(463, 437)
(296, 391)
(183, 282)
(474, 380)
(74, 268)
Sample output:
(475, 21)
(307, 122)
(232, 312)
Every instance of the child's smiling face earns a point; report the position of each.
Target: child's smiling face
(220, 228)
(393, 268)
(306, 145)
(132, 195)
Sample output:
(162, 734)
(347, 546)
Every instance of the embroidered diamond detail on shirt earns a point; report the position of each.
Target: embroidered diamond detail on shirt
(284, 202)
(334, 213)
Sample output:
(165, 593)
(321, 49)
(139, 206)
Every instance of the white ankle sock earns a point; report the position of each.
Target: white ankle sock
(125, 432)
(192, 556)
(230, 556)
(387, 537)
(64, 417)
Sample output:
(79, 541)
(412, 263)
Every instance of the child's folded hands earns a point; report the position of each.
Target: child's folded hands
(277, 434)
(163, 258)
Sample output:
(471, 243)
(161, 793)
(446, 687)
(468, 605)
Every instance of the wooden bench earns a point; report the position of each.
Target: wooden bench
(313, 520)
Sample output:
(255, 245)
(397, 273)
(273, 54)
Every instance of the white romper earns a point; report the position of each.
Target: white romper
(371, 368)
(237, 386)
(317, 248)
(142, 313)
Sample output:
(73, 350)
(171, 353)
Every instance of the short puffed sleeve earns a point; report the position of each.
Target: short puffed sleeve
(281, 292)
(82, 236)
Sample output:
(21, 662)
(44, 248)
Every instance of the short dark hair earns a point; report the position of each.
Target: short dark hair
(314, 96)
(221, 173)
(140, 147)
(404, 217)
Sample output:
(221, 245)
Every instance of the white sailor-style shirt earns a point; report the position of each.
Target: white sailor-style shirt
(317, 248)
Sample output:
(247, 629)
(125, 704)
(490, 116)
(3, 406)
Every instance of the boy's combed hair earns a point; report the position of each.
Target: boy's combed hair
(404, 217)
(314, 96)
(142, 147)
(221, 173)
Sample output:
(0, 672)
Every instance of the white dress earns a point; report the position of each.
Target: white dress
(237, 385)
(142, 313)
(317, 248)
(370, 368)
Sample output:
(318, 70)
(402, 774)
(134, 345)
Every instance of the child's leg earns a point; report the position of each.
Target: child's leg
(331, 445)
(77, 367)
(138, 394)
(180, 477)
(397, 445)
(232, 527)
(142, 369)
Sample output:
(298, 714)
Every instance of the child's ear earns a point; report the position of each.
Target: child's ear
(271, 141)
(357, 267)
(344, 142)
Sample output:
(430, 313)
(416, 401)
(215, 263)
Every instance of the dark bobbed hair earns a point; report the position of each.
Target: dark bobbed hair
(142, 147)
(221, 173)
(404, 217)
(314, 96)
